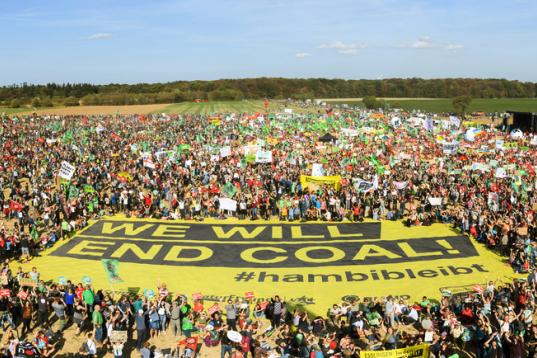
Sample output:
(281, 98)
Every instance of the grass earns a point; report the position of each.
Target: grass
(244, 106)
(487, 105)
(7, 110)
(214, 107)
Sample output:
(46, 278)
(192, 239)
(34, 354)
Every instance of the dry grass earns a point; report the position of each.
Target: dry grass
(96, 110)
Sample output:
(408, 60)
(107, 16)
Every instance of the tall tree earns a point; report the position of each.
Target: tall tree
(461, 104)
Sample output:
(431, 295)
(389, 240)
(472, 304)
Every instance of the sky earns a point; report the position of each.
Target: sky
(132, 41)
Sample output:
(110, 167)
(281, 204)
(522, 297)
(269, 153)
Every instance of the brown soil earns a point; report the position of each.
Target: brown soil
(96, 110)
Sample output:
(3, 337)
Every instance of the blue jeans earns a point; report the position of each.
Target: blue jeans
(99, 333)
(226, 348)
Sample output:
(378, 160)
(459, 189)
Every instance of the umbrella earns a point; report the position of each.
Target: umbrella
(327, 138)
(234, 336)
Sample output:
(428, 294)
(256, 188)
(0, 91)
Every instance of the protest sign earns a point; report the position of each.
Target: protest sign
(214, 308)
(27, 282)
(118, 336)
(249, 295)
(501, 173)
(419, 351)
(435, 201)
(263, 156)
(225, 151)
(450, 148)
(307, 181)
(66, 171)
(317, 170)
(228, 204)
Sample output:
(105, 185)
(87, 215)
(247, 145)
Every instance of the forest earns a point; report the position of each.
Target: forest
(257, 88)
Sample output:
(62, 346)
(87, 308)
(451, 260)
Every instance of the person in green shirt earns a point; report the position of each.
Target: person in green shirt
(373, 318)
(97, 320)
(187, 324)
(89, 298)
(138, 303)
(424, 302)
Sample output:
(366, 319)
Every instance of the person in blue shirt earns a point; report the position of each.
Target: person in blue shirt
(69, 299)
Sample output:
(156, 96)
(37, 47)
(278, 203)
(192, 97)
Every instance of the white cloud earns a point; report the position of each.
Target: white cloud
(425, 42)
(343, 48)
(302, 54)
(453, 46)
(99, 36)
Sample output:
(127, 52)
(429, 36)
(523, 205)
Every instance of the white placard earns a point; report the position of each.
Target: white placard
(263, 156)
(317, 170)
(225, 151)
(66, 171)
(435, 201)
(228, 204)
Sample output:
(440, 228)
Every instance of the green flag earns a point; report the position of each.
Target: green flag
(111, 267)
(73, 192)
(229, 190)
(88, 189)
(34, 233)
(67, 137)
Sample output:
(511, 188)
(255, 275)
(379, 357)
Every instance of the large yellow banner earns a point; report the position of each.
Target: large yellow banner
(421, 350)
(310, 264)
(308, 180)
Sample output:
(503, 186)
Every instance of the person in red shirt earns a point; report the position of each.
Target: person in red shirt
(467, 315)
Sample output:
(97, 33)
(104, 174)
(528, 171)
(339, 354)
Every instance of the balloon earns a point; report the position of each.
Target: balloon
(149, 293)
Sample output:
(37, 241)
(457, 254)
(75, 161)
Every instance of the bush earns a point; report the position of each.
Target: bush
(15, 103)
(71, 101)
(47, 102)
(36, 102)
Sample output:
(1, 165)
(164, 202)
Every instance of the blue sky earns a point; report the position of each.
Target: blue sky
(104, 41)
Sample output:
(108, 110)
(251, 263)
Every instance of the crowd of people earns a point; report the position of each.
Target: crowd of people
(417, 168)
(181, 167)
(497, 321)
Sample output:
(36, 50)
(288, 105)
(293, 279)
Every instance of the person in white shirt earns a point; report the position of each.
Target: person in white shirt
(91, 347)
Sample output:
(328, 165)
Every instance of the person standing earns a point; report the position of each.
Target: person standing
(141, 328)
(187, 324)
(42, 310)
(175, 319)
(231, 315)
(89, 298)
(97, 320)
(277, 305)
(226, 344)
(59, 309)
(90, 346)
(26, 317)
(117, 349)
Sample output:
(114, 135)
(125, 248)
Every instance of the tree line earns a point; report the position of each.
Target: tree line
(257, 88)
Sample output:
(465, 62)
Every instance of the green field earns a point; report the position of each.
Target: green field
(444, 105)
(7, 110)
(244, 106)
